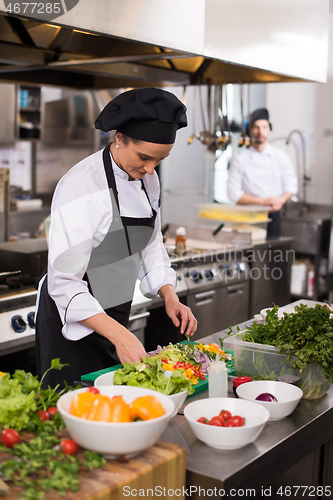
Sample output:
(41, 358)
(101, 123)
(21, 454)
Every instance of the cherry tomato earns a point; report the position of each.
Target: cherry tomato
(93, 390)
(203, 420)
(225, 414)
(9, 437)
(52, 411)
(238, 419)
(43, 415)
(218, 421)
(68, 447)
(229, 423)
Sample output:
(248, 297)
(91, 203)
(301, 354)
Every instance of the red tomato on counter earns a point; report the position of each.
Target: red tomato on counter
(9, 437)
(52, 411)
(68, 447)
(43, 415)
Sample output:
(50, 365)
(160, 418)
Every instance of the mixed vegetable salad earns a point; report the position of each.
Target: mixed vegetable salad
(188, 364)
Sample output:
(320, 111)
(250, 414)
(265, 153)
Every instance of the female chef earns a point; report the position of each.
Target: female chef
(104, 235)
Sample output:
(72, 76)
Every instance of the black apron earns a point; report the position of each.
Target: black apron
(117, 256)
(274, 226)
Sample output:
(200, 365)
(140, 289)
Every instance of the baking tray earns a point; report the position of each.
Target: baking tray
(201, 386)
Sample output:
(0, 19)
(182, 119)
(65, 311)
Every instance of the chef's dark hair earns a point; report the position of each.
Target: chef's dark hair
(147, 114)
(258, 114)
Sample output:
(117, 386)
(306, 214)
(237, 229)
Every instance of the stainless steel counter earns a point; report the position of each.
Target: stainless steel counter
(278, 449)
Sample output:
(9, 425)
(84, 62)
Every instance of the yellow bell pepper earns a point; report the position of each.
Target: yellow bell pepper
(101, 409)
(167, 366)
(81, 404)
(120, 411)
(146, 408)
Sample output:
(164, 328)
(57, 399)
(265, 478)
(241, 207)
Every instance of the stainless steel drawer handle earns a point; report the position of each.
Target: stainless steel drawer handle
(139, 316)
(204, 295)
(203, 302)
(232, 290)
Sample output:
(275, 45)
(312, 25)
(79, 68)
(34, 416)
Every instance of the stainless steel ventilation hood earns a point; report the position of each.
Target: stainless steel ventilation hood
(100, 44)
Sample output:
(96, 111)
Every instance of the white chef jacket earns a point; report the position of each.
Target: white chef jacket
(267, 173)
(81, 215)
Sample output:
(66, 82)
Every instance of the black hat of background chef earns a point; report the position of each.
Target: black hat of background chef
(147, 114)
(259, 114)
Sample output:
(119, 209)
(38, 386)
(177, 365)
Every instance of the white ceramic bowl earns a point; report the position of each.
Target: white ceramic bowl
(116, 439)
(263, 312)
(288, 396)
(226, 438)
(178, 399)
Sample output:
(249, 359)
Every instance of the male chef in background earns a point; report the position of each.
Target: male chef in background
(262, 174)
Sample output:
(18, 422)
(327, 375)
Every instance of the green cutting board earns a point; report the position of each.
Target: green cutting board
(201, 386)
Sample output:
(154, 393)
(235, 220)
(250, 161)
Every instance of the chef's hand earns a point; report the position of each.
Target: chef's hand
(274, 202)
(188, 323)
(178, 312)
(129, 348)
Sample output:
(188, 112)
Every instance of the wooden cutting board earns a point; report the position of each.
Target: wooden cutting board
(160, 466)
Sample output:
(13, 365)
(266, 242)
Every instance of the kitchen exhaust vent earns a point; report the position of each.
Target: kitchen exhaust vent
(127, 43)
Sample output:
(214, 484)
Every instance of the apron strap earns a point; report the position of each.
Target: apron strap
(112, 185)
(109, 173)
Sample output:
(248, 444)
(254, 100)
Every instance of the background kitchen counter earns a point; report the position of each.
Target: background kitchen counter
(295, 451)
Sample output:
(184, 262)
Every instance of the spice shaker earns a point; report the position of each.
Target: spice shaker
(217, 379)
(180, 240)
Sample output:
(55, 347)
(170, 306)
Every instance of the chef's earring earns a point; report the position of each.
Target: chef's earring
(117, 146)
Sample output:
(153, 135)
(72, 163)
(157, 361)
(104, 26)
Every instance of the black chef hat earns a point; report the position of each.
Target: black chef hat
(259, 114)
(147, 114)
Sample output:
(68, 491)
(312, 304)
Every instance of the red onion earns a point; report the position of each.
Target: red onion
(266, 396)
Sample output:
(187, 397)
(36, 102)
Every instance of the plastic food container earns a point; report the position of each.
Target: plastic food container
(313, 382)
(250, 214)
(264, 362)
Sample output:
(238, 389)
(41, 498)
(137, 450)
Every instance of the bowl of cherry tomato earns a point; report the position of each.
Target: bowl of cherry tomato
(226, 423)
(115, 420)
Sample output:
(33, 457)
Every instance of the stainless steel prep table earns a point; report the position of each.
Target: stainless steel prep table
(294, 451)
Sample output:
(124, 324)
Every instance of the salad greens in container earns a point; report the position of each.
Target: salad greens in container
(299, 343)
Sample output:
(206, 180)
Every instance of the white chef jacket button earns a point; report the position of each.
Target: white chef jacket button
(116, 219)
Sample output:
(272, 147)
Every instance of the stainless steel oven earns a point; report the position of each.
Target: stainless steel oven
(219, 295)
(216, 288)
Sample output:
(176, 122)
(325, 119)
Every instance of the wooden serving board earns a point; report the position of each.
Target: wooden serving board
(160, 466)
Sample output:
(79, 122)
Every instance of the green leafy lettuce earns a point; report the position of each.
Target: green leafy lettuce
(150, 375)
(21, 395)
(15, 405)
